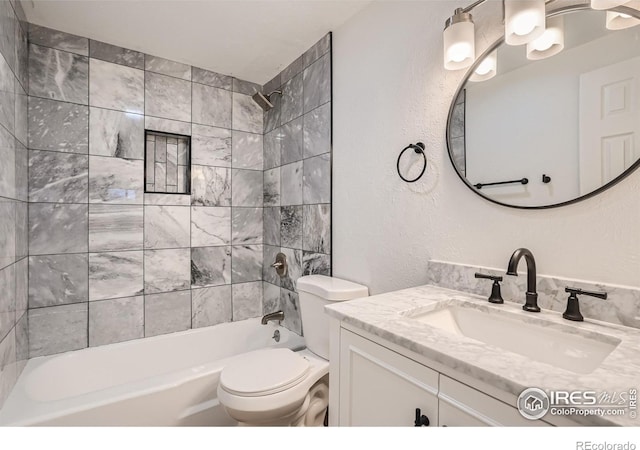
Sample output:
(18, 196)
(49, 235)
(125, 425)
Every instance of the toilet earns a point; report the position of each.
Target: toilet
(278, 386)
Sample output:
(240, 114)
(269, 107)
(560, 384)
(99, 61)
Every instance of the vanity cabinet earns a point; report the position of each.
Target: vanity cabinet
(380, 387)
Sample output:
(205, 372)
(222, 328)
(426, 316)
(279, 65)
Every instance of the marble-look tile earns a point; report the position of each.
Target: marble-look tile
(247, 150)
(272, 145)
(246, 263)
(166, 270)
(319, 49)
(210, 186)
(116, 133)
(118, 320)
(115, 275)
(317, 83)
(8, 166)
(209, 78)
(167, 67)
(270, 298)
(58, 279)
(247, 226)
(317, 131)
(245, 87)
(22, 229)
(292, 141)
(210, 226)
(292, 99)
(167, 199)
(272, 84)
(167, 126)
(316, 228)
(271, 118)
(116, 87)
(291, 226)
(167, 227)
(21, 115)
(7, 232)
(167, 313)
(272, 226)
(22, 55)
(211, 306)
(247, 300)
(8, 23)
(115, 180)
(7, 300)
(290, 304)
(317, 180)
(8, 372)
(115, 227)
(292, 69)
(22, 343)
(211, 106)
(22, 172)
(58, 329)
(58, 177)
(247, 187)
(59, 126)
(211, 146)
(7, 96)
(167, 97)
(247, 115)
(268, 272)
(291, 184)
(58, 228)
(58, 75)
(272, 187)
(22, 287)
(115, 54)
(294, 269)
(316, 264)
(210, 266)
(58, 39)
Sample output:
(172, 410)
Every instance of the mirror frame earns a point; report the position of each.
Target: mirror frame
(580, 7)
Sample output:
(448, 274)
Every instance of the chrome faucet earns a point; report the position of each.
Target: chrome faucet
(278, 315)
(531, 303)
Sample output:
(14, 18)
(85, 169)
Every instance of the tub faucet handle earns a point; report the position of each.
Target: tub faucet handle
(280, 265)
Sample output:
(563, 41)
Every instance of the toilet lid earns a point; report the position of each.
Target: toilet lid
(264, 372)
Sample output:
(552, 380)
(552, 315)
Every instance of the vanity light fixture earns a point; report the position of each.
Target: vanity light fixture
(606, 4)
(459, 40)
(524, 20)
(487, 69)
(550, 43)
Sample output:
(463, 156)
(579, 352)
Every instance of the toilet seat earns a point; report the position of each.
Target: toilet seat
(286, 370)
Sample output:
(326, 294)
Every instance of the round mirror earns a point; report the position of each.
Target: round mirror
(556, 121)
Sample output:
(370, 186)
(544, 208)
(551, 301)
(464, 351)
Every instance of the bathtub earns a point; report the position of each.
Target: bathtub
(167, 380)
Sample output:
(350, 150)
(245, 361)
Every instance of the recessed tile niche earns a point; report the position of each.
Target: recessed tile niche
(167, 163)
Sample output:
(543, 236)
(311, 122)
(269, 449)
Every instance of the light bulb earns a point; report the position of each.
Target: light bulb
(524, 20)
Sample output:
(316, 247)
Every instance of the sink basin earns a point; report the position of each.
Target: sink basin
(537, 341)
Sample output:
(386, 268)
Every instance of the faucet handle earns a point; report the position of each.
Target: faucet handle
(496, 295)
(573, 305)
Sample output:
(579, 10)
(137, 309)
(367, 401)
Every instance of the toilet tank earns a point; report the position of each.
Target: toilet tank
(316, 291)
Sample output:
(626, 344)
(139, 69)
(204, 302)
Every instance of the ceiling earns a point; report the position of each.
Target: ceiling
(250, 39)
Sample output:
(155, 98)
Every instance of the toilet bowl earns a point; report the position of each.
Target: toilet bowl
(273, 387)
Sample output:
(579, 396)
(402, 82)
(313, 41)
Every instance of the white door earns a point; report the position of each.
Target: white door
(609, 123)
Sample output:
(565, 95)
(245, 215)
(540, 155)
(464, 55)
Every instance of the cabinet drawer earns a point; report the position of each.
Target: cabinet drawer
(461, 405)
(379, 387)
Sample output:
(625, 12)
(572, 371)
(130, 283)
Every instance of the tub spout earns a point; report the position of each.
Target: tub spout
(278, 315)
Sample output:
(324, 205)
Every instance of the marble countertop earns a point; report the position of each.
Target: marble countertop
(389, 317)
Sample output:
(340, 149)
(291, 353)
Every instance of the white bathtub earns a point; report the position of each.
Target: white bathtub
(160, 381)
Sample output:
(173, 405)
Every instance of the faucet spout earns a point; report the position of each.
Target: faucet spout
(278, 315)
(531, 303)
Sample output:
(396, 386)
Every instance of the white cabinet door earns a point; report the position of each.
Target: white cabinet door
(379, 387)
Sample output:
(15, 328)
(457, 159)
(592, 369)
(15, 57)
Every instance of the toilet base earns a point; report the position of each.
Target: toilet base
(310, 413)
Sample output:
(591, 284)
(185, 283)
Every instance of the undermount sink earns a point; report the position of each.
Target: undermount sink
(537, 341)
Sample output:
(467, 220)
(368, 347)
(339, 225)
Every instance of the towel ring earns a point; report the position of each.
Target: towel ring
(418, 148)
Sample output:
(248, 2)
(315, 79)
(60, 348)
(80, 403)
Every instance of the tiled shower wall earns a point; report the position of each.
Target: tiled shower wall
(13, 196)
(297, 178)
(108, 263)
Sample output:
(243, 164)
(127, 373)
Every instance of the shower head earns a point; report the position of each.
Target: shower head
(264, 100)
